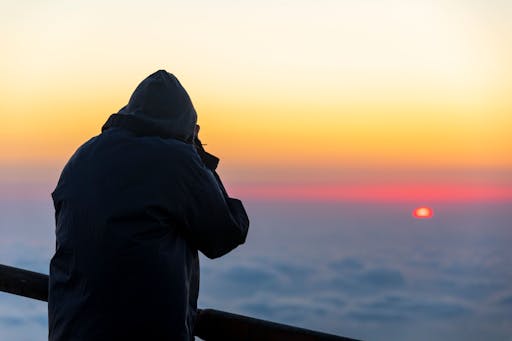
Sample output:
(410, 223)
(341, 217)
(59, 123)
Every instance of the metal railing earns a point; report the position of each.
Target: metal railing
(210, 324)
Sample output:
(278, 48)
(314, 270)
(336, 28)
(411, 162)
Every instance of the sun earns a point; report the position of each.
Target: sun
(423, 212)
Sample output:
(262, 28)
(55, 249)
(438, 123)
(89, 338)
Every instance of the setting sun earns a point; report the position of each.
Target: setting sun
(423, 212)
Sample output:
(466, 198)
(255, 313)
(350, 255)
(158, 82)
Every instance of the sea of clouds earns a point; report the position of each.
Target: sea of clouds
(368, 271)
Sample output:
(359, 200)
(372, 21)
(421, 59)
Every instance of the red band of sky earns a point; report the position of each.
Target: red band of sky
(379, 193)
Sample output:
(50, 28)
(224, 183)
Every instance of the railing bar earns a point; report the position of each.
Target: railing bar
(210, 324)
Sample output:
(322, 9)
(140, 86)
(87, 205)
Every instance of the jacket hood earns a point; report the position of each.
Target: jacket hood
(158, 106)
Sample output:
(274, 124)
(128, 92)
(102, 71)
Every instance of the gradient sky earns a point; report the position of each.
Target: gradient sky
(349, 100)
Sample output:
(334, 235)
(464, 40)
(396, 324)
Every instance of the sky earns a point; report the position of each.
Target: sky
(309, 95)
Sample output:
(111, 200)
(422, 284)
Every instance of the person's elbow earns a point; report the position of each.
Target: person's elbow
(225, 241)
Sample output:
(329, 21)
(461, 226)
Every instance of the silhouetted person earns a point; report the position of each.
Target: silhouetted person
(133, 206)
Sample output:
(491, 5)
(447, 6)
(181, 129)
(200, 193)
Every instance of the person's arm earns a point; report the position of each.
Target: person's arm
(214, 223)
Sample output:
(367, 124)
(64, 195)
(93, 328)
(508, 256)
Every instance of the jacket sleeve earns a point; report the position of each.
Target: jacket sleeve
(212, 222)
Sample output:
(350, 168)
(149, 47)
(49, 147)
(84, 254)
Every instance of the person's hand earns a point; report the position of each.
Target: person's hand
(197, 143)
(209, 160)
(196, 132)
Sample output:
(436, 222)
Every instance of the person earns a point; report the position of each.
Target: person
(133, 206)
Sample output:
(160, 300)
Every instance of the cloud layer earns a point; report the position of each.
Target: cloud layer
(369, 272)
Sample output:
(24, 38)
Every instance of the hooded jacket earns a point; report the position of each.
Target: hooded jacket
(133, 206)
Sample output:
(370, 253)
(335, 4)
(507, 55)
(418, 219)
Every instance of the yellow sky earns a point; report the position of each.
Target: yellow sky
(317, 85)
